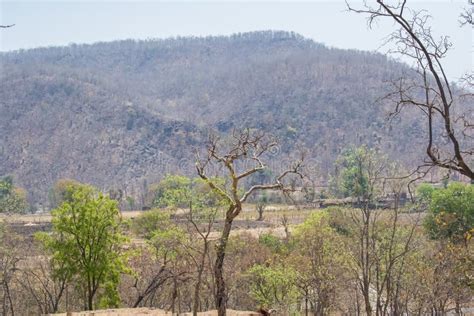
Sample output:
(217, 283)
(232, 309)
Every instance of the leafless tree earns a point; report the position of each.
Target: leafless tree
(10, 258)
(466, 17)
(201, 225)
(450, 147)
(240, 157)
(151, 277)
(46, 288)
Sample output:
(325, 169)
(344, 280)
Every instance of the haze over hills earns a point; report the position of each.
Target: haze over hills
(121, 114)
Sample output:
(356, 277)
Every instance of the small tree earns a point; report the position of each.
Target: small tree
(10, 259)
(381, 244)
(322, 260)
(261, 206)
(240, 157)
(12, 199)
(357, 174)
(86, 239)
(203, 204)
(274, 286)
(153, 262)
(172, 191)
(451, 212)
(62, 191)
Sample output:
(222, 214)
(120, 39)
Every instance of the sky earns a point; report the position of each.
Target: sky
(56, 23)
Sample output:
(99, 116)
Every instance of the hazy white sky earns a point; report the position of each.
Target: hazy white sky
(42, 23)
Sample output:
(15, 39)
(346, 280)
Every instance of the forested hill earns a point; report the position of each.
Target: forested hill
(121, 114)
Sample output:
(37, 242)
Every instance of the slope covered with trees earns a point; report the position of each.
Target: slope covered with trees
(119, 115)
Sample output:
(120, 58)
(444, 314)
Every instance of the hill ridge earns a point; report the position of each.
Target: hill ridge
(112, 113)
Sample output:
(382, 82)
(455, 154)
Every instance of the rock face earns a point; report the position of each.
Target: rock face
(119, 115)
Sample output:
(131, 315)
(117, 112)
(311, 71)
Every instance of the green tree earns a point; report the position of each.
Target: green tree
(12, 199)
(173, 190)
(354, 171)
(62, 191)
(451, 212)
(322, 260)
(202, 203)
(274, 286)
(166, 245)
(176, 191)
(6, 186)
(424, 192)
(86, 237)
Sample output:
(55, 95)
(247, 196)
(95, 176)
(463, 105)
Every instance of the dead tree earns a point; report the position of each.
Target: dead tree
(204, 233)
(46, 288)
(241, 157)
(450, 147)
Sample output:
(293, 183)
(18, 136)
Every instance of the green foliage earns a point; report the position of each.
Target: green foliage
(62, 191)
(165, 237)
(352, 174)
(322, 259)
(451, 213)
(274, 286)
(176, 191)
(339, 220)
(424, 192)
(316, 236)
(12, 199)
(85, 244)
(6, 186)
(130, 202)
(272, 242)
(168, 241)
(150, 221)
(173, 191)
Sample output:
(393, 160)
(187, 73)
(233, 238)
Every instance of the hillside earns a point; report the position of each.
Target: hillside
(121, 114)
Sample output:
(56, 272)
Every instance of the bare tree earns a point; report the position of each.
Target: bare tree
(46, 288)
(202, 225)
(10, 258)
(450, 147)
(241, 157)
(466, 18)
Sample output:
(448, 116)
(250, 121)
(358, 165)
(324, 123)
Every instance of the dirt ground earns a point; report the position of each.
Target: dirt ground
(150, 312)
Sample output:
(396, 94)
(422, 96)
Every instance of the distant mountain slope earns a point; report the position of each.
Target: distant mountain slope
(121, 114)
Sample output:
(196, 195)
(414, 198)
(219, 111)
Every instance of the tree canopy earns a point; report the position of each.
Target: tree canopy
(451, 212)
(86, 238)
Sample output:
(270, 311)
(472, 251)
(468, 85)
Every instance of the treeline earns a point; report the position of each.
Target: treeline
(416, 259)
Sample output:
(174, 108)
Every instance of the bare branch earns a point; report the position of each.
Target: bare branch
(414, 39)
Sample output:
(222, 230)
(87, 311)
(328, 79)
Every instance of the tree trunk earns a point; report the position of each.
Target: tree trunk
(90, 295)
(306, 305)
(90, 301)
(220, 295)
(175, 295)
(197, 288)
